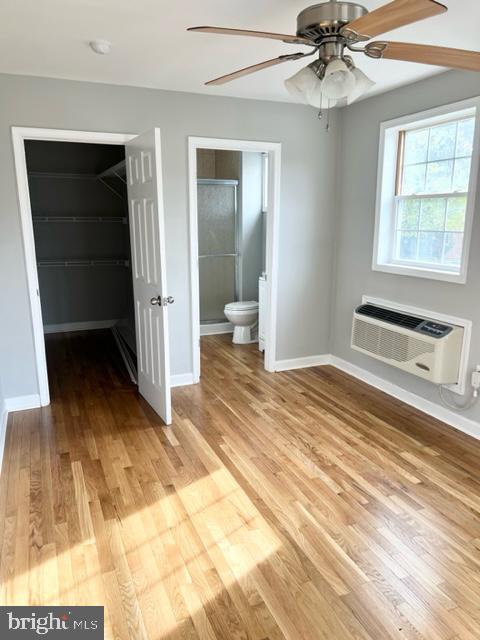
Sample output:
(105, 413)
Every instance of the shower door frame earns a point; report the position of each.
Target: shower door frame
(237, 255)
(274, 151)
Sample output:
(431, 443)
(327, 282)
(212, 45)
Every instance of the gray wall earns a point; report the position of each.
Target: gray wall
(251, 224)
(306, 222)
(355, 226)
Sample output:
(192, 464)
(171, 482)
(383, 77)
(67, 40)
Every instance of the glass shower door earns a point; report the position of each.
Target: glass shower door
(217, 247)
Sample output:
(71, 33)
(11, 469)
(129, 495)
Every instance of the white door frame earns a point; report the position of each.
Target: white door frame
(274, 150)
(19, 135)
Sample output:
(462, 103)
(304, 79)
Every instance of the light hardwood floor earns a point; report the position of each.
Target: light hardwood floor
(299, 505)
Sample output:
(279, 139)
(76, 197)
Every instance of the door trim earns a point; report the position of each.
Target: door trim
(19, 135)
(274, 150)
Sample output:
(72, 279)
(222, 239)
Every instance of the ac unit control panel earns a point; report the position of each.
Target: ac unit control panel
(434, 329)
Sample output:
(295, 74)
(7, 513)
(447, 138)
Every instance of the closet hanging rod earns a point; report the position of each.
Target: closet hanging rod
(122, 219)
(101, 262)
(62, 174)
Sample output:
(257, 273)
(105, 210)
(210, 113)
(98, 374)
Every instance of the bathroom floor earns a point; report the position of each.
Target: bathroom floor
(301, 505)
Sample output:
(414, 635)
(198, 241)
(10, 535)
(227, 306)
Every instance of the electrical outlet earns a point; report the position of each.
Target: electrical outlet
(476, 377)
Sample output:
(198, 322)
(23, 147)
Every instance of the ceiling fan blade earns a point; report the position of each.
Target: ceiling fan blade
(425, 54)
(391, 16)
(255, 34)
(256, 67)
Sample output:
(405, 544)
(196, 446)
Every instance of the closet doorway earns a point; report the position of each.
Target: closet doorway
(92, 217)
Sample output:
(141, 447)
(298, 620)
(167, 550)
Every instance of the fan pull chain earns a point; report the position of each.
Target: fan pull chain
(320, 114)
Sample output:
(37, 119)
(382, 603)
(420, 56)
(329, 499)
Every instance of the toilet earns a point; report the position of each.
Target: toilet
(244, 317)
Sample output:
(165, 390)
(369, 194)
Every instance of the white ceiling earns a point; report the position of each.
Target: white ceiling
(151, 47)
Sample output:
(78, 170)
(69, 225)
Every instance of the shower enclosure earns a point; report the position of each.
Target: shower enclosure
(218, 247)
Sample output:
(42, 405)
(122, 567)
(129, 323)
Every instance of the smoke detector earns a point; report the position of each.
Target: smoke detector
(101, 47)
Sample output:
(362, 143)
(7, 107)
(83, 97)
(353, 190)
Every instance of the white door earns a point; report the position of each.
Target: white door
(147, 236)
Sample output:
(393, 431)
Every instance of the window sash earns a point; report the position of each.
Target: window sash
(396, 230)
(402, 137)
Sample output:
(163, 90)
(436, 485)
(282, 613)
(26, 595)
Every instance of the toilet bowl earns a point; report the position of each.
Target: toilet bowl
(244, 317)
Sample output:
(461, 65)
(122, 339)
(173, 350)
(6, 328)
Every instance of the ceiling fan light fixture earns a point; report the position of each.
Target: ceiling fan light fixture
(302, 83)
(339, 81)
(319, 100)
(362, 84)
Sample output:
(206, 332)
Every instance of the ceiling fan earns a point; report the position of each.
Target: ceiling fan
(333, 27)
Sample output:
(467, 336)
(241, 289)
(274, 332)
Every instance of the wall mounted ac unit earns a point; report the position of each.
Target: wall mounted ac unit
(422, 346)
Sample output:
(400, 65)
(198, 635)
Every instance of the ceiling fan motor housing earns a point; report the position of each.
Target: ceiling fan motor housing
(326, 20)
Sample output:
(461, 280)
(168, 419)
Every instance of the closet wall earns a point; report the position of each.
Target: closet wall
(81, 232)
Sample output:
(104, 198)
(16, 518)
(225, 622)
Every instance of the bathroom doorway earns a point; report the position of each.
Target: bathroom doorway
(234, 189)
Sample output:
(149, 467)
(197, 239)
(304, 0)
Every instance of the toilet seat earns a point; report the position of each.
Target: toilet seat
(248, 305)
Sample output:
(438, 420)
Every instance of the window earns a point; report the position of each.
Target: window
(428, 168)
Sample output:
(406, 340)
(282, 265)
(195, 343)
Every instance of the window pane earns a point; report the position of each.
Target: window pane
(456, 209)
(408, 214)
(453, 248)
(414, 179)
(442, 142)
(430, 246)
(407, 245)
(439, 176)
(416, 146)
(461, 175)
(433, 214)
(465, 138)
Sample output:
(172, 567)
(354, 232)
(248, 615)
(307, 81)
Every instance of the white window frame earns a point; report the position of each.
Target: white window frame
(386, 199)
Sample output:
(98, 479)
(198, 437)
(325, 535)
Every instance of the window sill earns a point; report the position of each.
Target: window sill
(418, 272)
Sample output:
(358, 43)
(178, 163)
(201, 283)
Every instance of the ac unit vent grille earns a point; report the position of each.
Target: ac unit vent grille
(387, 343)
(388, 315)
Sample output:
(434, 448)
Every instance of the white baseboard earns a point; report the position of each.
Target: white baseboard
(456, 420)
(3, 430)
(22, 403)
(182, 379)
(65, 327)
(216, 328)
(302, 363)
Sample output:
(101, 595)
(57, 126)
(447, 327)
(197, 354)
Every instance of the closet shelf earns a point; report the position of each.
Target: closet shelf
(62, 174)
(100, 262)
(118, 170)
(122, 219)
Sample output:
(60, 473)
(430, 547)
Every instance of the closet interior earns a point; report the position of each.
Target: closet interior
(79, 207)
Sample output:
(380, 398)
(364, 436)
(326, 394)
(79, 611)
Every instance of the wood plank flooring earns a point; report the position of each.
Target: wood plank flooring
(301, 505)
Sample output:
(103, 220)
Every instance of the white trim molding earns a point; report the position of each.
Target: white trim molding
(215, 328)
(19, 135)
(3, 431)
(23, 403)
(274, 150)
(90, 325)
(182, 379)
(385, 211)
(302, 363)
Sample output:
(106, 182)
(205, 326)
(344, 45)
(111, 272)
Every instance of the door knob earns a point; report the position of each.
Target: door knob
(162, 302)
